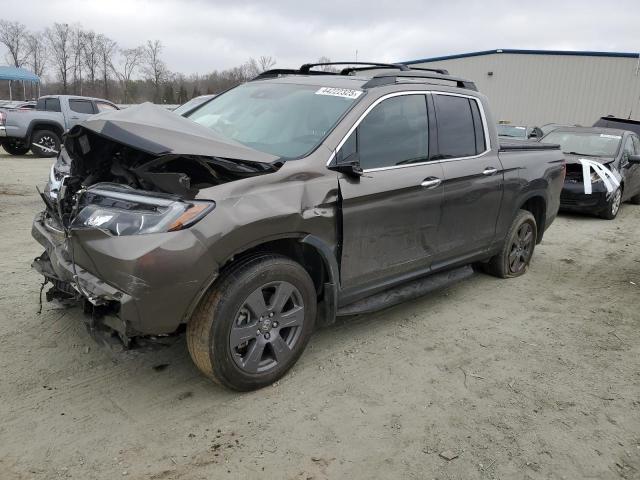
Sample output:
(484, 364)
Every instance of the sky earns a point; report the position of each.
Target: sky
(204, 35)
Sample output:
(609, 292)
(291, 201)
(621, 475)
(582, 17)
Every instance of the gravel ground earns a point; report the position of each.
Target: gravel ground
(536, 377)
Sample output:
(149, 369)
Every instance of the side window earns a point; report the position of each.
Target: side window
(349, 147)
(105, 107)
(460, 129)
(636, 144)
(52, 105)
(395, 132)
(81, 106)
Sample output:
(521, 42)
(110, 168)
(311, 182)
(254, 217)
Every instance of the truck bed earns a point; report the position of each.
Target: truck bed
(516, 145)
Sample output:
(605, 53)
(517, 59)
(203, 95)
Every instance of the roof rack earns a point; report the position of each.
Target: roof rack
(308, 66)
(384, 78)
(391, 78)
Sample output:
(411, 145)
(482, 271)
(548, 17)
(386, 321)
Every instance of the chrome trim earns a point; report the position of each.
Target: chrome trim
(366, 112)
(490, 171)
(485, 129)
(431, 183)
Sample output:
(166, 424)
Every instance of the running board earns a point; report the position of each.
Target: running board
(406, 291)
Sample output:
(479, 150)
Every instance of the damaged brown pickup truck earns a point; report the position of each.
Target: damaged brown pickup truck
(284, 202)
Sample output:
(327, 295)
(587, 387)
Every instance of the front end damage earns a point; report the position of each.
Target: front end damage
(120, 224)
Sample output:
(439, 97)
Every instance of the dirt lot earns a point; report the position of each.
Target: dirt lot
(537, 377)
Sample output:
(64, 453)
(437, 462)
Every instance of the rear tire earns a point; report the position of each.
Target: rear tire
(254, 323)
(48, 139)
(517, 251)
(15, 147)
(613, 206)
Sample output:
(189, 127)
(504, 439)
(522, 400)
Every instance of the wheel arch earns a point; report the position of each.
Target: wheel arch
(537, 205)
(44, 125)
(313, 253)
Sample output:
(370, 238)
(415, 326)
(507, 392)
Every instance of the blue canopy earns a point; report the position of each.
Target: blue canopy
(21, 74)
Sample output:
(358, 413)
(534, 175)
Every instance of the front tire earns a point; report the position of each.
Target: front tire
(613, 206)
(254, 323)
(48, 139)
(15, 147)
(517, 251)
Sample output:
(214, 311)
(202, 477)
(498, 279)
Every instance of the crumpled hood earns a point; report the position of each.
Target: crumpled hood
(156, 130)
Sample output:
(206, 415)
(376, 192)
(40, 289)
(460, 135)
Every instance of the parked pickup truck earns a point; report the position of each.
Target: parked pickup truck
(40, 130)
(284, 202)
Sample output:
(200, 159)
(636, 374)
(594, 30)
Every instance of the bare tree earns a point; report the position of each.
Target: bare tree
(106, 50)
(59, 38)
(326, 68)
(77, 42)
(250, 69)
(13, 36)
(37, 58)
(153, 66)
(266, 63)
(130, 59)
(91, 55)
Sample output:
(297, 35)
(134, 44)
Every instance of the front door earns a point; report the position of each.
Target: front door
(391, 214)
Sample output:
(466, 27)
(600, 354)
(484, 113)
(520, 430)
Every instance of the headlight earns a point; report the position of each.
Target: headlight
(58, 171)
(121, 212)
(595, 178)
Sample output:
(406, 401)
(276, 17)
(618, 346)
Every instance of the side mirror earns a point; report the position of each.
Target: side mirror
(350, 166)
(633, 158)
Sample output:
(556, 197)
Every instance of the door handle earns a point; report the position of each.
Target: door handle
(490, 171)
(431, 182)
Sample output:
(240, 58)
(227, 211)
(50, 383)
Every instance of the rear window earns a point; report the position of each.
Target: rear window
(81, 106)
(585, 143)
(105, 107)
(283, 119)
(512, 131)
(460, 127)
(48, 105)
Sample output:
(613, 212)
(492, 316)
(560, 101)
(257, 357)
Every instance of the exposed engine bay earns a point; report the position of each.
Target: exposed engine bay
(127, 174)
(105, 152)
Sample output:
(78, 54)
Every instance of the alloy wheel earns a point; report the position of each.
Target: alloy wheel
(521, 248)
(48, 142)
(616, 202)
(267, 327)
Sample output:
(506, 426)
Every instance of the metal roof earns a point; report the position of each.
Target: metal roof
(526, 52)
(21, 74)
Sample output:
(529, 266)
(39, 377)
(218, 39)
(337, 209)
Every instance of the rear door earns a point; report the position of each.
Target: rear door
(79, 110)
(473, 178)
(390, 215)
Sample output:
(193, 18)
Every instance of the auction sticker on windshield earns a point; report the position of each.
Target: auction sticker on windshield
(339, 92)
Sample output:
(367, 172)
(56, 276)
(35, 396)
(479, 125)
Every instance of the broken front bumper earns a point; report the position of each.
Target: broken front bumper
(573, 197)
(147, 284)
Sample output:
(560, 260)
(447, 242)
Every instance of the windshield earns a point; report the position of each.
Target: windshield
(286, 120)
(512, 131)
(191, 104)
(585, 143)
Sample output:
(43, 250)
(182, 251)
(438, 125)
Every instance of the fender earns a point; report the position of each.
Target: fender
(56, 127)
(329, 307)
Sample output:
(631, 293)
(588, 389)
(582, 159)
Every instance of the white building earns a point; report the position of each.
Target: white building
(534, 87)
